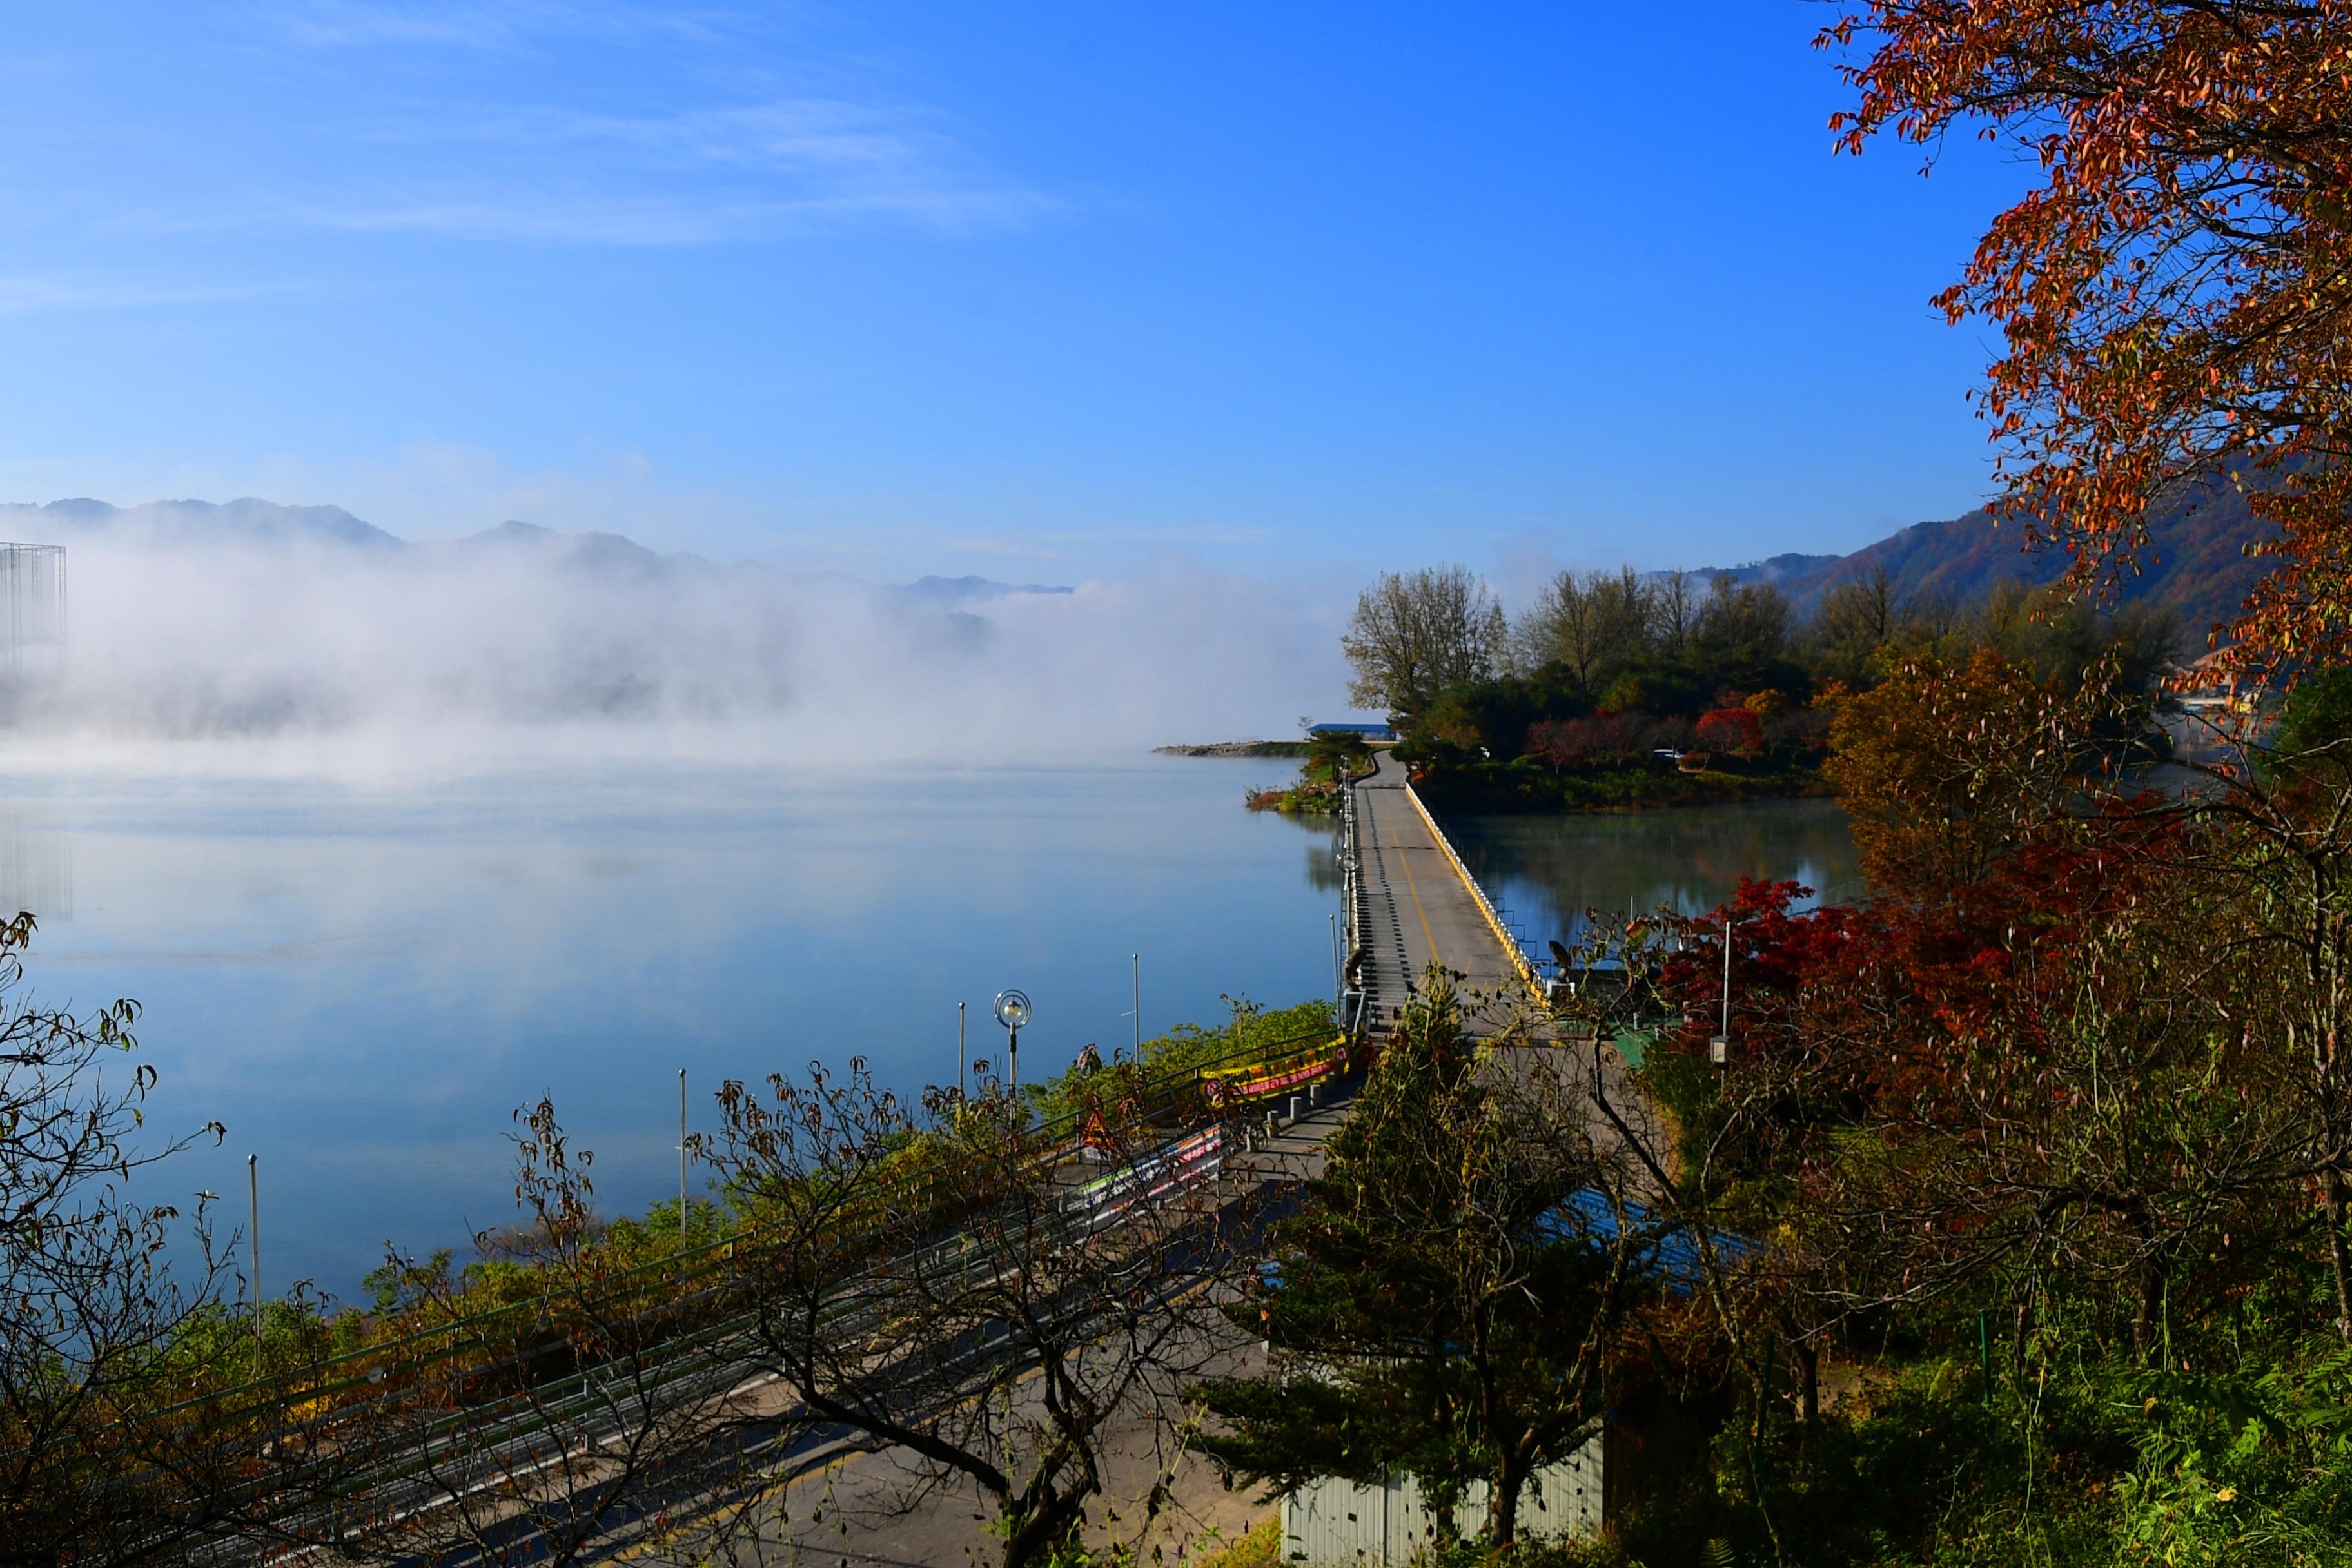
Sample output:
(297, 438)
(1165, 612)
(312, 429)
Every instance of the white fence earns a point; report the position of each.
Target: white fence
(1332, 1523)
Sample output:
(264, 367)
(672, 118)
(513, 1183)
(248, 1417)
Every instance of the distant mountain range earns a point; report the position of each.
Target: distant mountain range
(191, 524)
(2195, 560)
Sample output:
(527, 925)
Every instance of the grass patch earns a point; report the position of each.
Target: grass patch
(1261, 1547)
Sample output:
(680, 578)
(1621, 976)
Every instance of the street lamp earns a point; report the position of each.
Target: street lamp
(1013, 1012)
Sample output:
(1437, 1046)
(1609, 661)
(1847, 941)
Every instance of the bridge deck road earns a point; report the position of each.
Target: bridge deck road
(1414, 908)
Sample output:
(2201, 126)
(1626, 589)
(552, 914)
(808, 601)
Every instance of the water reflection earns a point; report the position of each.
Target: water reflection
(1550, 869)
(35, 867)
(1323, 860)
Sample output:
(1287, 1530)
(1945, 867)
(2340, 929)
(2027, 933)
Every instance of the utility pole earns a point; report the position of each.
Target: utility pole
(1718, 1049)
(1137, 960)
(681, 1159)
(958, 1053)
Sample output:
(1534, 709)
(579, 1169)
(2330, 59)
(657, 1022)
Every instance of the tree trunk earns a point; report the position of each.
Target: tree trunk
(1032, 1534)
(1503, 1505)
(1809, 1372)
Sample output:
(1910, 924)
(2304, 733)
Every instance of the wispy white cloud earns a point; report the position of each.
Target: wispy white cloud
(586, 123)
(557, 217)
(26, 294)
(485, 24)
(693, 176)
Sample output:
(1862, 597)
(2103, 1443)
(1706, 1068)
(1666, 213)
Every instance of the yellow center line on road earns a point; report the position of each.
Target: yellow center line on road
(1413, 887)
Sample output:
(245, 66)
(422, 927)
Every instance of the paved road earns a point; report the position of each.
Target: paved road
(1412, 907)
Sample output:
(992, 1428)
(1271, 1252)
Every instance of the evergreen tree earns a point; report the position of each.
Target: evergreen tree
(1446, 1303)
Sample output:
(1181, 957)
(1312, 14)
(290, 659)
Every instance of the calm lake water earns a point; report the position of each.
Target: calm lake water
(364, 986)
(1548, 870)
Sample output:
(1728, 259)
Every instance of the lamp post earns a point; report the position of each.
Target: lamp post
(958, 1053)
(1137, 960)
(1013, 1012)
(681, 1159)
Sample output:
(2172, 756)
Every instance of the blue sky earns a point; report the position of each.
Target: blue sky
(1043, 291)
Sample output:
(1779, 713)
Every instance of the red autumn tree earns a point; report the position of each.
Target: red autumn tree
(1732, 730)
(2175, 296)
(1601, 740)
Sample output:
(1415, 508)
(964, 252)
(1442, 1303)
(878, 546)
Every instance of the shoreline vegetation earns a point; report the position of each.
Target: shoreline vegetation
(1624, 691)
(1508, 789)
(1333, 759)
(1235, 749)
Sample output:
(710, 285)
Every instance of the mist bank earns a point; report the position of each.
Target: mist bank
(293, 638)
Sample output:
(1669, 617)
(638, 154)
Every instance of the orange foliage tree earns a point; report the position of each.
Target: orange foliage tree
(1944, 769)
(2176, 294)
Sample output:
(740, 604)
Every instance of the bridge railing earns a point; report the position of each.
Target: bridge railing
(1354, 999)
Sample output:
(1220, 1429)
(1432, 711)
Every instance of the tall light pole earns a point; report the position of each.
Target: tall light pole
(1137, 960)
(958, 1053)
(253, 1241)
(681, 1159)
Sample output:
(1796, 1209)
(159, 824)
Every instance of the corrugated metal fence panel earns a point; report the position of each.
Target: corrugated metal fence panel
(1333, 1523)
(1563, 1501)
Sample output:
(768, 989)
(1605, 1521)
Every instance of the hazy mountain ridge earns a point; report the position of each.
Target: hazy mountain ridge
(2196, 563)
(191, 522)
(252, 521)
